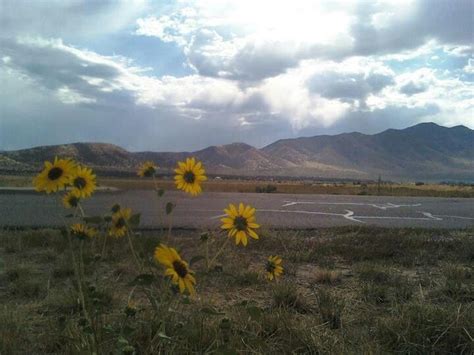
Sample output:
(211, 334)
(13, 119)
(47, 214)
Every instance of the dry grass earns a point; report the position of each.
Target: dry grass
(329, 277)
(291, 187)
(345, 290)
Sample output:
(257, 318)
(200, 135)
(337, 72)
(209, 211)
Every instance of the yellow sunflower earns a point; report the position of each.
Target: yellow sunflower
(273, 267)
(240, 223)
(83, 181)
(119, 222)
(55, 175)
(176, 268)
(147, 169)
(189, 175)
(82, 231)
(71, 199)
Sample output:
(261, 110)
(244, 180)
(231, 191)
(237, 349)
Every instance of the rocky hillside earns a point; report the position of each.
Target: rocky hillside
(424, 151)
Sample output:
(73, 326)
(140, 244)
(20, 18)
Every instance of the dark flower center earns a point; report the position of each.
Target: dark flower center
(270, 267)
(240, 223)
(80, 182)
(120, 223)
(73, 201)
(115, 208)
(149, 171)
(189, 177)
(180, 268)
(55, 173)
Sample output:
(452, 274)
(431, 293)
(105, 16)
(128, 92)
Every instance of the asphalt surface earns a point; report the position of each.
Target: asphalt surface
(30, 209)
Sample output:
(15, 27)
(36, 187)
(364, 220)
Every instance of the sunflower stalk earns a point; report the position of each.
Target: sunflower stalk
(170, 228)
(138, 264)
(81, 276)
(103, 246)
(219, 252)
(155, 183)
(79, 281)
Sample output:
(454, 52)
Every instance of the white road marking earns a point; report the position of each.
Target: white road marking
(384, 206)
(460, 217)
(429, 215)
(349, 215)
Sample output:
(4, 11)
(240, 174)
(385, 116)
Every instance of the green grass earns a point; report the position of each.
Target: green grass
(345, 290)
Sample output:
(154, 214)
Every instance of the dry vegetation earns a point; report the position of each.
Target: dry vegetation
(407, 189)
(345, 290)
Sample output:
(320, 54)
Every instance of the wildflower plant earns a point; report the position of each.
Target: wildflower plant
(240, 223)
(176, 268)
(55, 175)
(79, 183)
(147, 169)
(273, 267)
(189, 176)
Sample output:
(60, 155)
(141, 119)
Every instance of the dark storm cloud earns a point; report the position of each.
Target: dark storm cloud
(348, 86)
(71, 19)
(412, 88)
(54, 66)
(447, 21)
(381, 119)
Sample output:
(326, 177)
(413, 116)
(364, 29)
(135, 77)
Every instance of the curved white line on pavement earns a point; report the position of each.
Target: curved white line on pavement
(383, 206)
(459, 217)
(349, 215)
(429, 215)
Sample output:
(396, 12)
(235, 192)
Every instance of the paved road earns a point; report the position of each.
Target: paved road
(273, 210)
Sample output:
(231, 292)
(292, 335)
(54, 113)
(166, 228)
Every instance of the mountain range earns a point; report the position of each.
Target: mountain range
(425, 151)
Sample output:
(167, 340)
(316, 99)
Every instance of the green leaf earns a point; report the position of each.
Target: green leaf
(255, 312)
(211, 311)
(122, 341)
(69, 215)
(195, 259)
(224, 350)
(143, 280)
(93, 219)
(204, 236)
(160, 192)
(225, 324)
(64, 232)
(170, 207)
(108, 218)
(163, 336)
(134, 221)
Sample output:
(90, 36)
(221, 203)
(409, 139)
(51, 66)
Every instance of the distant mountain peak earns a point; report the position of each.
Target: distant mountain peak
(423, 151)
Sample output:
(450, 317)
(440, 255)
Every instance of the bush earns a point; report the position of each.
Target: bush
(266, 189)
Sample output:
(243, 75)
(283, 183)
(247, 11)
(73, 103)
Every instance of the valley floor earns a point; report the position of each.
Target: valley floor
(344, 290)
(282, 186)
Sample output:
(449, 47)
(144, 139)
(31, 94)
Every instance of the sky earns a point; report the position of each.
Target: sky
(186, 74)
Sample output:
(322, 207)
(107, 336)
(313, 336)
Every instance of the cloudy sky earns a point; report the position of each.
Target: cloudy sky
(184, 74)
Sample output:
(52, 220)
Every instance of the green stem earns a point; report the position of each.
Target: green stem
(170, 227)
(132, 249)
(207, 254)
(159, 209)
(80, 209)
(219, 252)
(103, 246)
